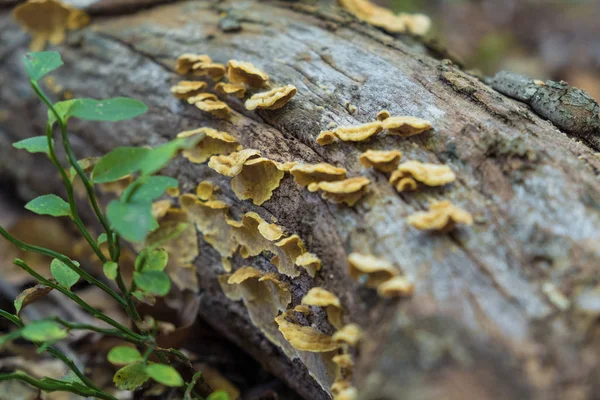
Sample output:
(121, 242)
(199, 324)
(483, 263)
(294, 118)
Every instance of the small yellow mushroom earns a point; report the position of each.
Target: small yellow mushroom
(416, 24)
(187, 89)
(287, 166)
(273, 99)
(246, 73)
(305, 174)
(310, 262)
(350, 334)
(202, 97)
(406, 184)
(215, 70)
(288, 250)
(398, 286)
(358, 133)
(173, 192)
(349, 393)
(216, 108)
(347, 191)
(320, 297)
(205, 190)
(375, 270)
(339, 385)
(232, 164)
(243, 274)
(428, 174)
(236, 89)
(325, 138)
(305, 338)
(385, 161)
(383, 115)
(187, 60)
(257, 180)
(405, 126)
(442, 216)
(48, 21)
(214, 142)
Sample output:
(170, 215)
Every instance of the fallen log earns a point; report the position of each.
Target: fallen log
(505, 308)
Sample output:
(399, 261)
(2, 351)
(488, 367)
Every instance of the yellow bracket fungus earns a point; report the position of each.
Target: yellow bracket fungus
(210, 217)
(305, 338)
(187, 89)
(374, 270)
(358, 133)
(232, 164)
(214, 107)
(287, 251)
(398, 286)
(348, 191)
(325, 138)
(350, 334)
(320, 297)
(403, 184)
(214, 70)
(173, 192)
(257, 180)
(305, 174)
(416, 24)
(310, 262)
(205, 190)
(428, 174)
(273, 99)
(254, 234)
(202, 97)
(405, 126)
(236, 89)
(214, 142)
(442, 216)
(349, 393)
(383, 115)
(160, 208)
(187, 60)
(246, 73)
(385, 161)
(48, 21)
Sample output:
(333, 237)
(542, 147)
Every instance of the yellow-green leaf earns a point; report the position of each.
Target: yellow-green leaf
(131, 377)
(165, 374)
(124, 355)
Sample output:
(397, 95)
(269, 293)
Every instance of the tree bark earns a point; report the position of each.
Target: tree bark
(486, 319)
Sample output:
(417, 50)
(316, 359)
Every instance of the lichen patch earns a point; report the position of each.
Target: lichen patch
(271, 100)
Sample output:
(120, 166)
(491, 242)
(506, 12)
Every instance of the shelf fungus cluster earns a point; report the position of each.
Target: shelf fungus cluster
(411, 173)
(254, 177)
(241, 76)
(48, 21)
(380, 274)
(442, 216)
(415, 24)
(213, 142)
(347, 191)
(384, 161)
(404, 126)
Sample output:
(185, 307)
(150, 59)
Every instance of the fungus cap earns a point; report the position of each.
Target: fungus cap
(247, 73)
(349, 334)
(305, 174)
(347, 191)
(375, 269)
(385, 161)
(310, 262)
(236, 89)
(273, 99)
(325, 138)
(358, 133)
(187, 89)
(405, 126)
(428, 174)
(187, 60)
(442, 216)
(398, 286)
(232, 164)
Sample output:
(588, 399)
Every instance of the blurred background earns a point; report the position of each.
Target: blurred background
(545, 39)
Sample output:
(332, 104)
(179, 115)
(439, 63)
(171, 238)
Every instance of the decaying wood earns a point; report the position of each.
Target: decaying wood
(484, 321)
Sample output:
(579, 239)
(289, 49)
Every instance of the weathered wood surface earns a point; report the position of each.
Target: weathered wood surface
(481, 324)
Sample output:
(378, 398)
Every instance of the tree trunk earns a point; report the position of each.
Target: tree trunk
(505, 308)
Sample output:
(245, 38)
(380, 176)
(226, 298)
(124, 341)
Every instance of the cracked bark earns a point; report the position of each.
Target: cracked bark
(480, 324)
